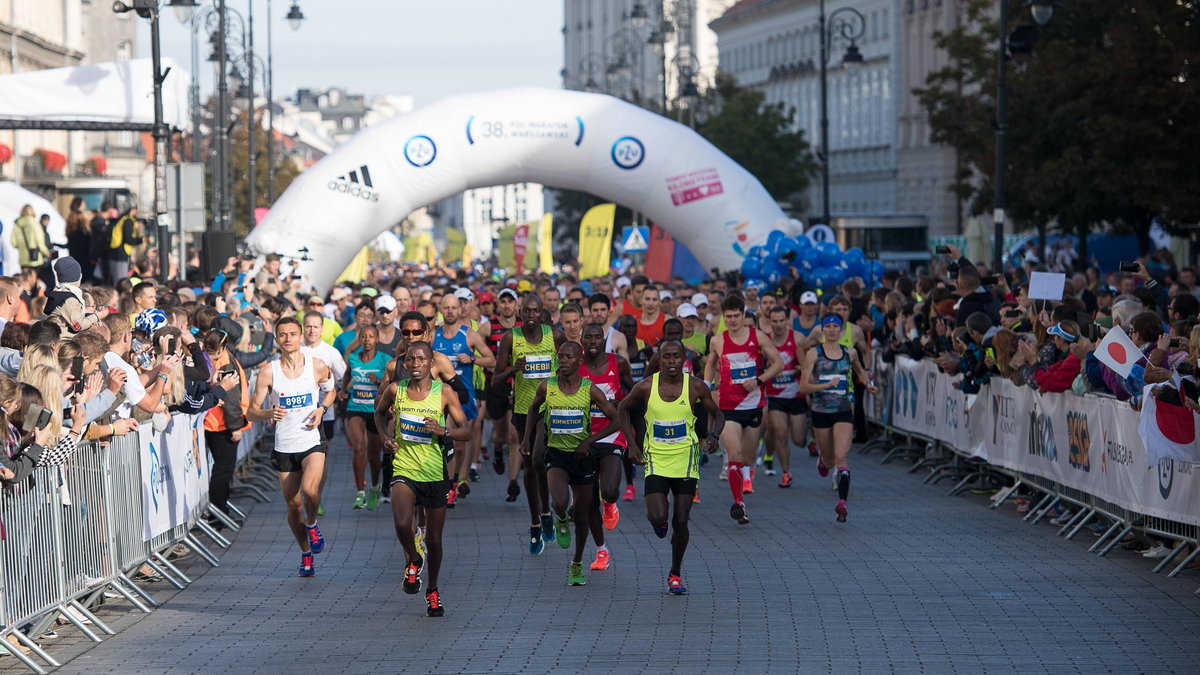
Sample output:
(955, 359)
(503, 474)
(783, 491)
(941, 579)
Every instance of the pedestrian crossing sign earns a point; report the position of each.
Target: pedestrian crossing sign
(636, 239)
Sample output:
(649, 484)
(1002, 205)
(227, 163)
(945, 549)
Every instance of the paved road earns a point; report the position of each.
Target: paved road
(914, 582)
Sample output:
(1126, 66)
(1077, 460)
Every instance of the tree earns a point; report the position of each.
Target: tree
(1100, 114)
(285, 171)
(762, 137)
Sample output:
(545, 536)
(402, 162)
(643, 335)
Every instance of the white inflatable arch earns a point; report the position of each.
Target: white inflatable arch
(566, 139)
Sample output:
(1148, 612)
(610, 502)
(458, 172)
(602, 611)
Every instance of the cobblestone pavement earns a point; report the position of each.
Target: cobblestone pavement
(914, 582)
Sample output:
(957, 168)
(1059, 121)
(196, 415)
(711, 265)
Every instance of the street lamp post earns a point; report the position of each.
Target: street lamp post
(852, 28)
(294, 18)
(1041, 10)
(148, 9)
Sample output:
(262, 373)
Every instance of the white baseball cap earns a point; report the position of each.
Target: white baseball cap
(686, 309)
(664, 294)
(809, 298)
(508, 292)
(385, 302)
(464, 294)
(699, 299)
(623, 281)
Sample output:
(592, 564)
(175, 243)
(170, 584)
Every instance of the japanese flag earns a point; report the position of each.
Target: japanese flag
(1168, 431)
(1118, 352)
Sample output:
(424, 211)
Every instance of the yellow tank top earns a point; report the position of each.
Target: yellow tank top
(567, 418)
(540, 363)
(671, 447)
(419, 454)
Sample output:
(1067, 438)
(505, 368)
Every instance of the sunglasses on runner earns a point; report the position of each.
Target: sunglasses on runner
(412, 333)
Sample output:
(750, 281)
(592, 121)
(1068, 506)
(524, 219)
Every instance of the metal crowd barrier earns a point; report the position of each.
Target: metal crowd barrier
(72, 533)
(946, 461)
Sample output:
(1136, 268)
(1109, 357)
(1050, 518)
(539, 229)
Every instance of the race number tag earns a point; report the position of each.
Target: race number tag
(637, 369)
(606, 389)
(566, 421)
(537, 367)
(412, 428)
(841, 385)
(742, 368)
(669, 431)
(362, 395)
(296, 402)
(785, 378)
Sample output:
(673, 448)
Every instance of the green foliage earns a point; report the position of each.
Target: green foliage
(1100, 115)
(762, 137)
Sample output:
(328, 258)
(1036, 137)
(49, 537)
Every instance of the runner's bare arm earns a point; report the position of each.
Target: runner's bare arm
(807, 386)
(262, 387)
(714, 350)
(538, 399)
(620, 345)
(383, 415)
(601, 402)
(716, 420)
(454, 412)
(632, 404)
(324, 377)
(485, 358)
(774, 360)
(504, 369)
(625, 373)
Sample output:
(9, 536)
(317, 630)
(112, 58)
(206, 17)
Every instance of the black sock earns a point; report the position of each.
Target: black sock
(843, 484)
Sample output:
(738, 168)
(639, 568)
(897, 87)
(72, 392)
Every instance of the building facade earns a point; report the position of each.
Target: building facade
(881, 161)
(481, 212)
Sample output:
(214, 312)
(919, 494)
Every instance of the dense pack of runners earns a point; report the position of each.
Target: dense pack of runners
(567, 390)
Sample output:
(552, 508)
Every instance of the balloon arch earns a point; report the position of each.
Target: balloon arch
(566, 139)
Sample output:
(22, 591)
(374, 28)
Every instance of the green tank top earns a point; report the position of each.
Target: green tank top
(567, 417)
(540, 363)
(697, 342)
(671, 447)
(419, 455)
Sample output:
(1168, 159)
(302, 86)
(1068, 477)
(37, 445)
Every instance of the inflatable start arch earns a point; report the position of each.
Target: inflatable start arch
(566, 139)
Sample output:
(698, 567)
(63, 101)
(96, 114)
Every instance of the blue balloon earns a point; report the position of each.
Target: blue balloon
(774, 238)
(803, 242)
(787, 247)
(837, 276)
(828, 254)
(809, 259)
(751, 267)
(875, 272)
(817, 280)
(855, 262)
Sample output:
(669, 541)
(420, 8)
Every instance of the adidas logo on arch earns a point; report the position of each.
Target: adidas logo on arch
(356, 183)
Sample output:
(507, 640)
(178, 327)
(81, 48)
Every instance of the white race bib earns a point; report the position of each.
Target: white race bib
(742, 368)
(669, 431)
(564, 421)
(537, 367)
(412, 428)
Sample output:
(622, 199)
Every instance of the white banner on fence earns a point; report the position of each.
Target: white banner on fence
(1088, 443)
(175, 472)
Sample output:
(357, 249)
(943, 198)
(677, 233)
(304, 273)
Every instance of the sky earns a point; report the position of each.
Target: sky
(426, 48)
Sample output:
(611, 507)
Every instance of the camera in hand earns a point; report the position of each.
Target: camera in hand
(1185, 368)
(36, 417)
(1012, 313)
(1128, 267)
(1175, 343)
(990, 280)
(942, 250)
(77, 373)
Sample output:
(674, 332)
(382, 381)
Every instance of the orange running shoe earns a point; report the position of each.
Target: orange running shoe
(601, 562)
(630, 492)
(696, 496)
(610, 515)
(748, 486)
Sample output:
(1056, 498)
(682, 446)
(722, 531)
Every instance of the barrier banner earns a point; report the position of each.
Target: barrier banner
(1088, 443)
(163, 499)
(194, 454)
(595, 240)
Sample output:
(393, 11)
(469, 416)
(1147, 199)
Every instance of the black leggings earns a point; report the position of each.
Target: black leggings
(223, 449)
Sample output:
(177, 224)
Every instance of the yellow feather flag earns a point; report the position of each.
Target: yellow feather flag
(595, 240)
(545, 241)
(356, 271)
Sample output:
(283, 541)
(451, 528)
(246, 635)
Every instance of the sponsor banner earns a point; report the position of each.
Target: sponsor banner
(520, 243)
(175, 472)
(1088, 443)
(661, 255)
(595, 241)
(546, 244)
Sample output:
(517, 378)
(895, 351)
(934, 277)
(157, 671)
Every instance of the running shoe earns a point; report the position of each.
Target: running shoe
(474, 474)
(315, 540)
(412, 578)
(498, 460)
(536, 545)
(724, 475)
(737, 511)
(514, 491)
(748, 486)
(360, 501)
(373, 499)
(675, 585)
(433, 604)
(769, 464)
(575, 575)
(307, 568)
(385, 498)
(548, 528)
(841, 510)
(812, 449)
(696, 495)
(822, 470)
(464, 488)
(786, 481)
(660, 531)
(562, 532)
(610, 515)
(601, 562)
(419, 542)
(630, 492)
(451, 496)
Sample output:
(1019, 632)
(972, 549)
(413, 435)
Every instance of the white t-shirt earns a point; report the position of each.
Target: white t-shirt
(134, 391)
(332, 358)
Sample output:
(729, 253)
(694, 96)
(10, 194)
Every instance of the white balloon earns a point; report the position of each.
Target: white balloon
(566, 139)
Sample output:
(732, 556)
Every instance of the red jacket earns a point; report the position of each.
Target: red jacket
(1059, 376)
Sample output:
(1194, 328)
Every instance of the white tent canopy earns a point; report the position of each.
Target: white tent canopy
(114, 95)
(13, 198)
